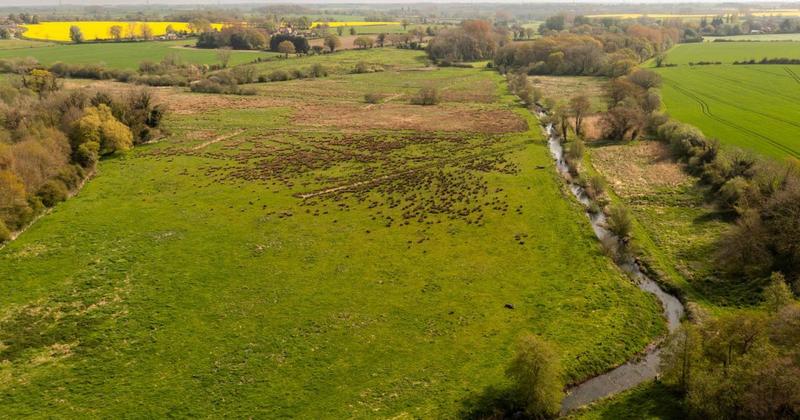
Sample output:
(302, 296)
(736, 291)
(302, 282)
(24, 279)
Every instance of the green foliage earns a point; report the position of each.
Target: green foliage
(737, 366)
(52, 192)
(619, 221)
(426, 96)
(5, 234)
(536, 373)
(100, 133)
(777, 294)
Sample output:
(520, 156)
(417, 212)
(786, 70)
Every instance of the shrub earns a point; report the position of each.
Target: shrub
(619, 222)
(52, 192)
(317, 70)
(536, 374)
(426, 96)
(5, 233)
(373, 98)
(278, 76)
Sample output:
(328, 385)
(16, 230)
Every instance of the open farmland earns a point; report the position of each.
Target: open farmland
(95, 31)
(749, 106)
(125, 55)
(301, 253)
(728, 52)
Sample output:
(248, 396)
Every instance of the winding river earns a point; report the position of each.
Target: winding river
(644, 367)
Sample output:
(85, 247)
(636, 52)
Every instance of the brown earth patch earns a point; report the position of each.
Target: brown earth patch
(394, 116)
(638, 168)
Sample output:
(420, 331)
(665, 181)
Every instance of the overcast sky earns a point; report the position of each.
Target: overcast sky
(214, 2)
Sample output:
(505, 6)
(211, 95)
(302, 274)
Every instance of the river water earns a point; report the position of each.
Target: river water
(644, 367)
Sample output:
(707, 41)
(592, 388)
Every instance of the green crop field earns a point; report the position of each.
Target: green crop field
(299, 253)
(728, 52)
(756, 37)
(125, 55)
(749, 106)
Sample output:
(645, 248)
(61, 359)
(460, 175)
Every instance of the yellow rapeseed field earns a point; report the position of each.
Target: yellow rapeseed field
(352, 23)
(59, 31)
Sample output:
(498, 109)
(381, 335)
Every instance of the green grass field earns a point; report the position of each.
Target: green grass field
(752, 107)
(756, 37)
(17, 44)
(288, 255)
(125, 55)
(344, 61)
(728, 52)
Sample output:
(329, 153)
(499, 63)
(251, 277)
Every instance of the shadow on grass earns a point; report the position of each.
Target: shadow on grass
(648, 401)
(492, 403)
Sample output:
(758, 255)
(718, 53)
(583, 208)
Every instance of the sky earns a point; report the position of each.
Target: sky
(215, 2)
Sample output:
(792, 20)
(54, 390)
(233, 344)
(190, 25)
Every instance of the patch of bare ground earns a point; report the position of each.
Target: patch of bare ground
(394, 116)
(639, 168)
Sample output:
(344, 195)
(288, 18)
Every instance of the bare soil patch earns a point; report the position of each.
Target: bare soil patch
(394, 116)
(639, 168)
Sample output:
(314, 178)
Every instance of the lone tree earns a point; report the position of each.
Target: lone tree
(147, 32)
(536, 373)
(579, 105)
(381, 39)
(224, 56)
(353, 30)
(116, 32)
(75, 34)
(286, 48)
(332, 42)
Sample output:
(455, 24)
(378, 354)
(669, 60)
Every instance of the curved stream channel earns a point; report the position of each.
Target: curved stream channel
(640, 368)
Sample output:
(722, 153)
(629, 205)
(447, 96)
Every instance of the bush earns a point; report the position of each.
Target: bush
(619, 222)
(536, 374)
(426, 96)
(362, 67)
(317, 70)
(5, 233)
(52, 192)
(278, 76)
(373, 98)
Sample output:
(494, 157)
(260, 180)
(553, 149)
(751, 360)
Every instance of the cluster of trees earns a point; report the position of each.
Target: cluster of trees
(299, 43)
(632, 102)
(236, 37)
(473, 40)
(743, 366)
(765, 196)
(50, 140)
(569, 53)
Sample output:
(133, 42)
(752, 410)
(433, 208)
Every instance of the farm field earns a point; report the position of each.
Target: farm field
(344, 61)
(728, 52)
(18, 44)
(753, 107)
(126, 55)
(301, 253)
(756, 37)
(95, 31)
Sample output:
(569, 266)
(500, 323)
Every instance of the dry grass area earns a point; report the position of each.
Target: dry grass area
(395, 116)
(562, 88)
(638, 169)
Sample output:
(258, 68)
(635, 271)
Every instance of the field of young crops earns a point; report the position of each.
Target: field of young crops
(753, 107)
(728, 52)
(100, 30)
(301, 253)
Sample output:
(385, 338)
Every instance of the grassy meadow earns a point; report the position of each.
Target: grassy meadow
(728, 52)
(300, 253)
(122, 55)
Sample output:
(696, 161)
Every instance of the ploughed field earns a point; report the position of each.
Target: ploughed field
(302, 253)
(753, 107)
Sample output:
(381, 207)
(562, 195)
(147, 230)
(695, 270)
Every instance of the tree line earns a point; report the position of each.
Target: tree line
(50, 140)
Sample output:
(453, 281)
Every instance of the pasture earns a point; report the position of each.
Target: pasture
(124, 55)
(756, 37)
(300, 253)
(728, 52)
(753, 107)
